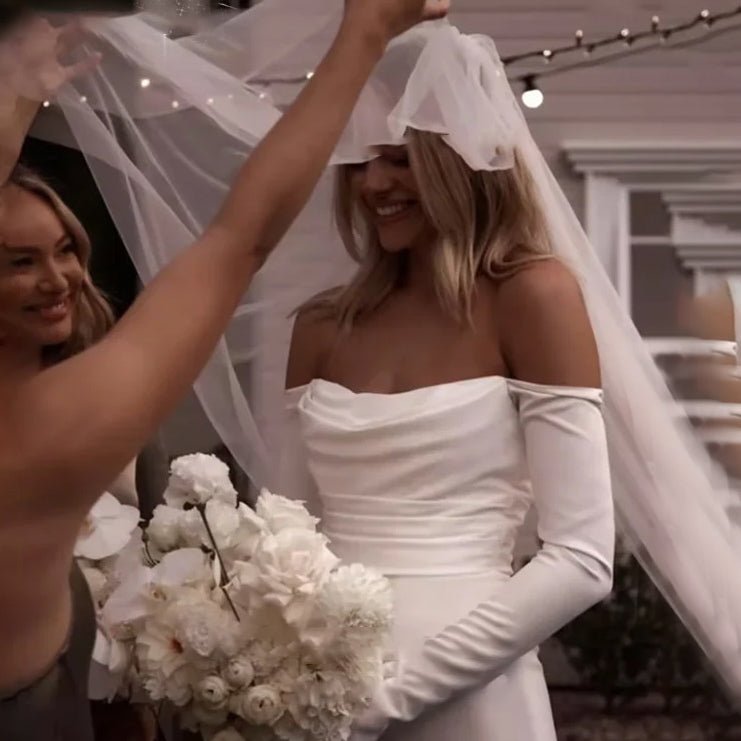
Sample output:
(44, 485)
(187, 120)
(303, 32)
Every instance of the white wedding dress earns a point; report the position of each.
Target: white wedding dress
(431, 487)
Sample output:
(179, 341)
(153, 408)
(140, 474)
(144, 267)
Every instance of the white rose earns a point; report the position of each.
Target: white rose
(239, 671)
(164, 527)
(280, 513)
(213, 692)
(287, 571)
(261, 705)
(197, 479)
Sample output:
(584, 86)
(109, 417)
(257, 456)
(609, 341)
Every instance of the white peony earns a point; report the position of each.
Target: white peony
(261, 705)
(163, 529)
(280, 513)
(107, 528)
(213, 692)
(197, 479)
(239, 671)
(287, 571)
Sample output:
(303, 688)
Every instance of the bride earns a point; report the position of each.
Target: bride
(450, 385)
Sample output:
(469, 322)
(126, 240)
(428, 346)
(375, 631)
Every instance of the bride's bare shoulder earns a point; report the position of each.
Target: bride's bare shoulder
(546, 332)
(314, 332)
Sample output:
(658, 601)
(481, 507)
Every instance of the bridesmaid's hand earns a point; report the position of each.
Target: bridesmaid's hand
(34, 58)
(389, 18)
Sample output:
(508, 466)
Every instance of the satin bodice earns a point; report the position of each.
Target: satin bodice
(430, 482)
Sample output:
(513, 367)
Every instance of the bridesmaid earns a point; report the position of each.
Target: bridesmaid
(63, 435)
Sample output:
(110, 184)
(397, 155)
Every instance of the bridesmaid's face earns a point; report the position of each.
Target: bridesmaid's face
(40, 274)
(388, 190)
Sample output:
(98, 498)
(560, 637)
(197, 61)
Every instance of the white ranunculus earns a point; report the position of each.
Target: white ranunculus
(261, 705)
(164, 527)
(287, 571)
(280, 513)
(212, 692)
(107, 528)
(197, 479)
(239, 671)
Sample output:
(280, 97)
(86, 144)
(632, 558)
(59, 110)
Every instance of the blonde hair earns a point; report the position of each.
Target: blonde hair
(489, 223)
(94, 314)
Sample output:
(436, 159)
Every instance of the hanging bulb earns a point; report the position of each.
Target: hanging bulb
(706, 18)
(655, 23)
(547, 55)
(626, 37)
(579, 38)
(145, 82)
(532, 96)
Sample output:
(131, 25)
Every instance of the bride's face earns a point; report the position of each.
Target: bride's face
(388, 190)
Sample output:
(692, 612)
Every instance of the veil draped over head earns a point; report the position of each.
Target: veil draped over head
(164, 124)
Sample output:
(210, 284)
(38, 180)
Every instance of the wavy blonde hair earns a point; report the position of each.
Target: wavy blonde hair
(94, 314)
(489, 223)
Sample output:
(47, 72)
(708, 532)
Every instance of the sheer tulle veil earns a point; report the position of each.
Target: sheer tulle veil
(164, 123)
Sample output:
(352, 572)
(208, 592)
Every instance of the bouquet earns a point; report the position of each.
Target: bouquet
(242, 619)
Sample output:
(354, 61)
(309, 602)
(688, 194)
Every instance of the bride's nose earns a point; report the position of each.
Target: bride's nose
(377, 177)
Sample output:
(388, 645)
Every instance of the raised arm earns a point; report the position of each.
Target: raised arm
(79, 422)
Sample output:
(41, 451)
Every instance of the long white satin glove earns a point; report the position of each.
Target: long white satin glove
(566, 450)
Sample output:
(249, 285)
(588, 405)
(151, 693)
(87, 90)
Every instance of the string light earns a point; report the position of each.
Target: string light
(532, 96)
(626, 37)
(547, 55)
(175, 104)
(704, 18)
(145, 82)
(309, 75)
(46, 104)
